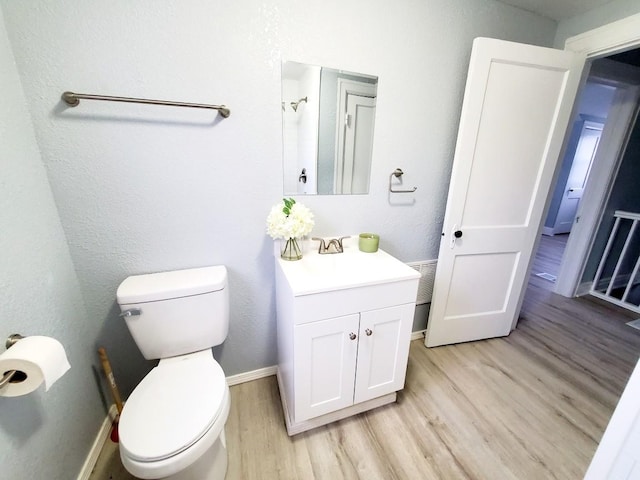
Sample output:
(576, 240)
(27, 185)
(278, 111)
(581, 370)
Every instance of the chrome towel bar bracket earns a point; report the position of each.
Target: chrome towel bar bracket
(73, 100)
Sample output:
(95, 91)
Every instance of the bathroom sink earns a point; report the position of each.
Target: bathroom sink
(317, 273)
(345, 263)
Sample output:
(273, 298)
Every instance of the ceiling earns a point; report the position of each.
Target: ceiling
(557, 9)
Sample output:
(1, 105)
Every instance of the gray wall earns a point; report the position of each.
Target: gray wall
(144, 189)
(42, 435)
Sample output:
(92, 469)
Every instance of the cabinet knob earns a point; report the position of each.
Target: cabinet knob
(368, 332)
(352, 336)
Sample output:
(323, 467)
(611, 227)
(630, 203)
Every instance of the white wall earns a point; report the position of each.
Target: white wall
(143, 189)
(307, 119)
(300, 127)
(42, 435)
(290, 137)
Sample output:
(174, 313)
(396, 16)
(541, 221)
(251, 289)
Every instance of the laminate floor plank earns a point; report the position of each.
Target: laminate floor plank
(457, 413)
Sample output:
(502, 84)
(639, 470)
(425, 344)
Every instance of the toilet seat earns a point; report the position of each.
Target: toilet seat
(173, 407)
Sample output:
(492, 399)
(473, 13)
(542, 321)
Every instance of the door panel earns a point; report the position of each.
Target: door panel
(506, 153)
(473, 295)
(325, 360)
(383, 351)
(516, 108)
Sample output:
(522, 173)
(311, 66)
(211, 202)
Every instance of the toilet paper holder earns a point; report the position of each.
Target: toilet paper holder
(12, 374)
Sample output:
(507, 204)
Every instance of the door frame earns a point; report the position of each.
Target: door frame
(597, 43)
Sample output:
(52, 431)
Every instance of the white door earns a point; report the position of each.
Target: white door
(354, 144)
(580, 168)
(383, 351)
(325, 365)
(358, 144)
(516, 108)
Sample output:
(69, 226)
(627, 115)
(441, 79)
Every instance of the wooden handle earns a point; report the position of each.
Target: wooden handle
(106, 366)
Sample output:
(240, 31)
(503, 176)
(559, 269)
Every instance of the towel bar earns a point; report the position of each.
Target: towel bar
(73, 99)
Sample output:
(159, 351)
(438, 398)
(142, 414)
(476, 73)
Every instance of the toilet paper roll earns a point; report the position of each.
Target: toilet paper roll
(37, 359)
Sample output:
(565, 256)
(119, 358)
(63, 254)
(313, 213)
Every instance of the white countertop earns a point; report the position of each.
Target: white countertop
(317, 273)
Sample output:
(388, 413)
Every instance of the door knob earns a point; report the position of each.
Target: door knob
(352, 336)
(455, 234)
(368, 332)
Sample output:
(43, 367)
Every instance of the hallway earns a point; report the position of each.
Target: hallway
(547, 260)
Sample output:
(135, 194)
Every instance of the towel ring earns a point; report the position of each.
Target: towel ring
(398, 173)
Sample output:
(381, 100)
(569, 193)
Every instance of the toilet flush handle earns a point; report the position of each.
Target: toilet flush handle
(131, 312)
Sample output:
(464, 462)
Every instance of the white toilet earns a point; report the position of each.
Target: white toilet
(172, 425)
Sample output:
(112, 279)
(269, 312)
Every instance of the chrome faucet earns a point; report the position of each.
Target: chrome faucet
(333, 246)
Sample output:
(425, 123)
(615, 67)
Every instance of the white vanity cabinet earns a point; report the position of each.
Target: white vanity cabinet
(343, 336)
(348, 360)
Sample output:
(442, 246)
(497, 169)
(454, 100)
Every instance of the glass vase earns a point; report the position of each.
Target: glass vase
(290, 249)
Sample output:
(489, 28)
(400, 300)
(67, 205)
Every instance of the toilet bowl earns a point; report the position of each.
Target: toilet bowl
(172, 425)
(174, 417)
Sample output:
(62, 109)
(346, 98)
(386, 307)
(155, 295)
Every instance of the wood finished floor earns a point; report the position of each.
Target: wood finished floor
(532, 405)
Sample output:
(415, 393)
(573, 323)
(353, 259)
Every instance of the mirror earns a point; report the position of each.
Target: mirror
(327, 127)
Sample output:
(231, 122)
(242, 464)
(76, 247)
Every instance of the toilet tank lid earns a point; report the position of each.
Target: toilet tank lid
(167, 285)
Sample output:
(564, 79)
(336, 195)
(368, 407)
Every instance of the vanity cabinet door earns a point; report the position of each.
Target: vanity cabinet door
(325, 364)
(383, 351)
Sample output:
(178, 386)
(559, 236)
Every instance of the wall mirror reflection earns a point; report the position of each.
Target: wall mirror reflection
(327, 123)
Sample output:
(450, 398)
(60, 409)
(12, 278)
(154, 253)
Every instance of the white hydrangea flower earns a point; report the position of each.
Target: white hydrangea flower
(297, 224)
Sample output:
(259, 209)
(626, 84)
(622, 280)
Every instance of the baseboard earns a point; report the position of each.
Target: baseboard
(583, 289)
(252, 375)
(621, 281)
(548, 231)
(98, 443)
(418, 335)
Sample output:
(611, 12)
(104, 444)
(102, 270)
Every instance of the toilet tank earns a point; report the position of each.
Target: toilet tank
(178, 312)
